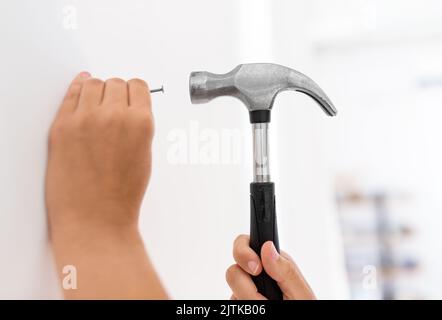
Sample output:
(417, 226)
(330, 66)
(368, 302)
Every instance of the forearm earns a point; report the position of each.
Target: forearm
(99, 166)
(110, 263)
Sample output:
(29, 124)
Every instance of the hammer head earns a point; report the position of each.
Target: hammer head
(256, 85)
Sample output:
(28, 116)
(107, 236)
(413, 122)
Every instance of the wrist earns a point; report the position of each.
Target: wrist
(90, 221)
(70, 227)
(70, 244)
(80, 235)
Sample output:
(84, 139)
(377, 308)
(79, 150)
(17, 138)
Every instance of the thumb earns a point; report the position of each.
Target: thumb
(284, 271)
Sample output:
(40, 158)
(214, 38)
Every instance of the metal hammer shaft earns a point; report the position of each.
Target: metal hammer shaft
(261, 167)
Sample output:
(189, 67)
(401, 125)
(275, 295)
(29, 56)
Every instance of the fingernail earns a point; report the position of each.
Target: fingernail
(274, 253)
(253, 266)
(85, 74)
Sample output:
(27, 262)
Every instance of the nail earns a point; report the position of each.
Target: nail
(85, 74)
(157, 90)
(253, 266)
(274, 253)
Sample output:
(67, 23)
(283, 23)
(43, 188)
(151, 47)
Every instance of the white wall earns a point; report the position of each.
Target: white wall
(374, 56)
(192, 212)
(305, 181)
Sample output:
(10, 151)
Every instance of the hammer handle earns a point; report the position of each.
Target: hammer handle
(263, 228)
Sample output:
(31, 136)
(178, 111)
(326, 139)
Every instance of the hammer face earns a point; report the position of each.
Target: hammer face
(198, 87)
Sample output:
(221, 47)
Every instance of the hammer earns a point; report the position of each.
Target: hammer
(257, 85)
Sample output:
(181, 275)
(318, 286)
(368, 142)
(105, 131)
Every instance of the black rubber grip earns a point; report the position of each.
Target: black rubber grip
(263, 228)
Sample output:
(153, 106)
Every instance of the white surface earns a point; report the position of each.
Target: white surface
(373, 55)
(192, 212)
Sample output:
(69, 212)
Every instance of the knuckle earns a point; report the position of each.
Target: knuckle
(82, 122)
(117, 81)
(143, 120)
(237, 239)
(56, 131)
(61, 130)
(93, 82)
(290, 271)
(287, 256)
(138, 82)
(230, 273)
(145, 103)
(115, 117)
(147, 119)
(240, 241)
(239, 253)
(73, 91)
(90, 122)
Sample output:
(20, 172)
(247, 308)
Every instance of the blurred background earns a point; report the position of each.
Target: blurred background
(359, 196)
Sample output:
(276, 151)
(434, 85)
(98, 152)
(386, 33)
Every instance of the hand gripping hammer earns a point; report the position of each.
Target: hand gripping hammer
(257, 85)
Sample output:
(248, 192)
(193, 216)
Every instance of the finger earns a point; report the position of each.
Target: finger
(287, 256)
(241, 284)
(286, 273)
(115, 93)
(247, 259)
(70, 100)
(232, 297)
(91, 93)
(139, 95)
